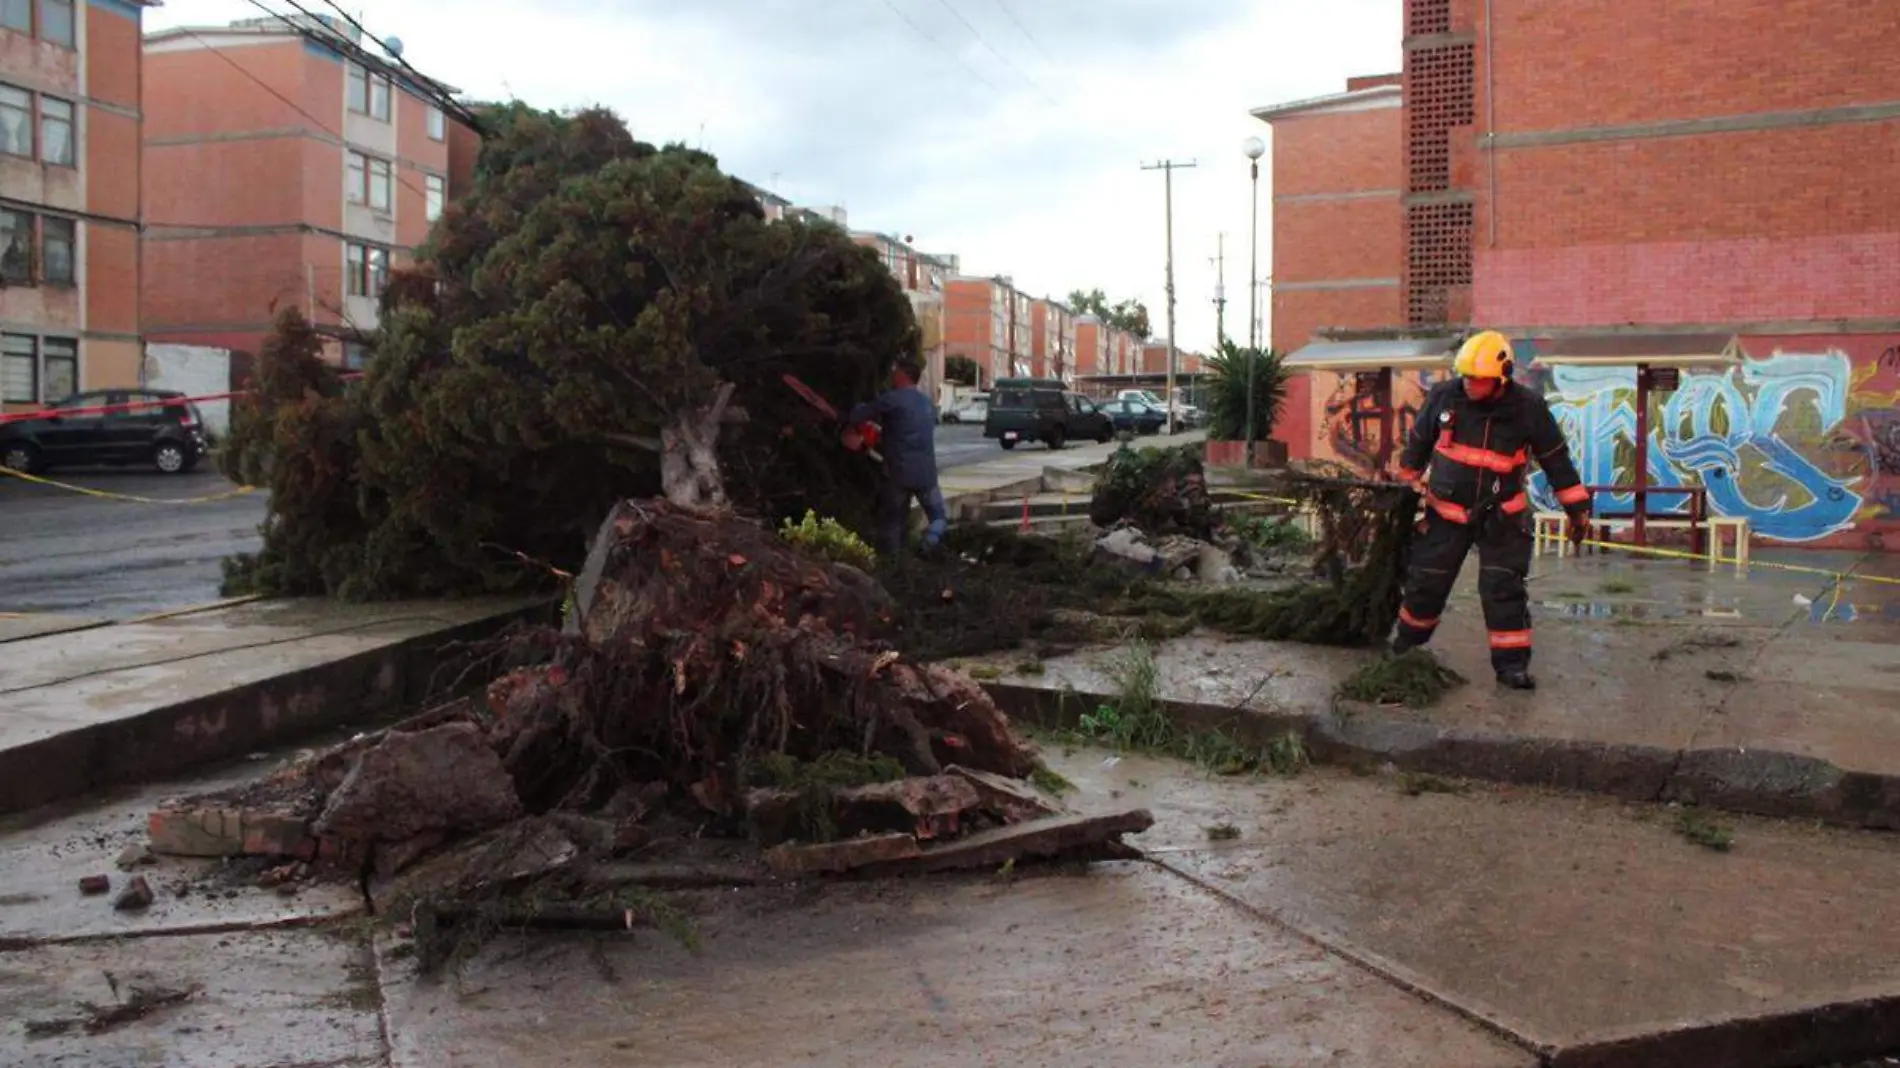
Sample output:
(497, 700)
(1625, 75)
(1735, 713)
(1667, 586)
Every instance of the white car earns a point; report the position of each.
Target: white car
(968, 410)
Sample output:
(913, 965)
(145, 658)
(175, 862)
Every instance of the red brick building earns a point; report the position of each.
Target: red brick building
(284, 166)
(1727, 177)
(988, 320)
(1338, 228)
(1052, 340)
(69, 198)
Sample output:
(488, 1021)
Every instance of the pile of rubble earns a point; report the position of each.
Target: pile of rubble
(711, 683)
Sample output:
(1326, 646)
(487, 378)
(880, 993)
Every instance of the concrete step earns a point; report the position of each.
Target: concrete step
(107, 705)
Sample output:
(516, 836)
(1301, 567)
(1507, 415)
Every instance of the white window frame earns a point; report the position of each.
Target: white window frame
(435, 196)
(355, 177)
(438, 124)
(381, 175)
(70, 120)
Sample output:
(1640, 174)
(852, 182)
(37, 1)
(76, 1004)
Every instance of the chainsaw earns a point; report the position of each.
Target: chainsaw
(864, 436)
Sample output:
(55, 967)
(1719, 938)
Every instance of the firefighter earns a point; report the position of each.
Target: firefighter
(1478, 432)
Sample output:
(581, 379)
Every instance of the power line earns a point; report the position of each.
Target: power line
(434, 90)
(925, 34)
(394, 172)
(1025, 30)
(948, 6)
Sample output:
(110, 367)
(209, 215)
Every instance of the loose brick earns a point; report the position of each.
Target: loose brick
(274, 834)
(94, 885)
(197, 832)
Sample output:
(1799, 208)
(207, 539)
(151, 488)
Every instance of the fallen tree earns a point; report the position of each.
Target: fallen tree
(598, 320)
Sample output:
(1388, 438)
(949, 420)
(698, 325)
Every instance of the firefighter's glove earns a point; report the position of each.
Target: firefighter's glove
(1578, 528)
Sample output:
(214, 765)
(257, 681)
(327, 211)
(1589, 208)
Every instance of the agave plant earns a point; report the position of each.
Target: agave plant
(1225, 391)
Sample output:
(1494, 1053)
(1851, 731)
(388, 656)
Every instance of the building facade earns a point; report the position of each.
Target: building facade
(1338, 231)
(1740, 192)
(284, 166)
(1052, 352)
(988, 321)
(70, 115)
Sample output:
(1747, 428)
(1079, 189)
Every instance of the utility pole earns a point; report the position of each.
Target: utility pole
(1220, 286)
(1167, 167)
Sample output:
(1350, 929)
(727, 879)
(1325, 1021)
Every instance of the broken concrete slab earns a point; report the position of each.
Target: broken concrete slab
(443, 780)
(926, 807)
(131, 702)
(1125, 967)
(848, 854)
(1591, 929)
(482, 865)
(1083, 837)
(250, 999)
(1010, 800)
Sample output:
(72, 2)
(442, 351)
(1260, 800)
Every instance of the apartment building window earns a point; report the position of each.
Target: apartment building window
(368, 93)
(56, 21)
(16, 121)
(59, 368)
(16, 248)
(56, 131)
(368, 270)
(434, 194)
(438, 126)
(35, 370)
(57, 241)
(368, 181)
(379, 184)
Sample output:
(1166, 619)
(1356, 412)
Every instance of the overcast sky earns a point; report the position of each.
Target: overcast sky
(1011, 132)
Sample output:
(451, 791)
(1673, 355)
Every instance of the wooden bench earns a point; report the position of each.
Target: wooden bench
(1549, 528)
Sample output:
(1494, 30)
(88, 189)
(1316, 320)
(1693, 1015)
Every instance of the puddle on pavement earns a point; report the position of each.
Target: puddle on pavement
(1636, 610)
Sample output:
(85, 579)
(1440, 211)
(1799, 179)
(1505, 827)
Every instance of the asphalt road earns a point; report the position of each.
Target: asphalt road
(68, 553)
(72, 554)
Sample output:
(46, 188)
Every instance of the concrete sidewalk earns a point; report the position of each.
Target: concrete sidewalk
(103, 705)
(1763, 693)
(1333, 920)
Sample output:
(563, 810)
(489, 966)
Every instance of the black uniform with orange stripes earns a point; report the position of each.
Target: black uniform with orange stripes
(1479, 455)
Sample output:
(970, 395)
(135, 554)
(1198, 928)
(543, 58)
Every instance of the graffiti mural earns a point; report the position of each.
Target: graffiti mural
(1348, 432)
(1802, 439)
(1764, 440)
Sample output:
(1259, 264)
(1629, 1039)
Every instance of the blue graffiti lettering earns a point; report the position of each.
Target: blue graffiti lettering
(1708, 430)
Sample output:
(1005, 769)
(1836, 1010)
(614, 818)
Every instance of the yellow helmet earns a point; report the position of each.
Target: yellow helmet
(1485, 355)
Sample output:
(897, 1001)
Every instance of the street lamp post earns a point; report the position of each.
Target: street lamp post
(1254, 148)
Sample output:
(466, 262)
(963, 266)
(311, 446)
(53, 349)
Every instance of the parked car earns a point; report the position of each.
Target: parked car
(1186, 414)
(1137, 417)
(1042, 409)
(968, 410)
(166, 432)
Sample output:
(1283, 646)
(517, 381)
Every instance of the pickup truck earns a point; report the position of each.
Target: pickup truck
(1035, 409)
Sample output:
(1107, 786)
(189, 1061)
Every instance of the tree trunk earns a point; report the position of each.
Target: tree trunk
(689, 455)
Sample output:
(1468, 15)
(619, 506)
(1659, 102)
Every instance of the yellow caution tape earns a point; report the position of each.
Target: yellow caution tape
(1678, 554)
(107, 496)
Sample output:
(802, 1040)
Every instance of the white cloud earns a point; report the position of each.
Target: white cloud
(845, 102)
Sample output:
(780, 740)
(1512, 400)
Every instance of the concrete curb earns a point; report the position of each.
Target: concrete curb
(167, 740)
(1762, 782)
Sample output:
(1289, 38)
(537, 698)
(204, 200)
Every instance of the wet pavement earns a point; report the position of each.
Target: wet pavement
(65, 552)
(1350, 919)
(1668, 658)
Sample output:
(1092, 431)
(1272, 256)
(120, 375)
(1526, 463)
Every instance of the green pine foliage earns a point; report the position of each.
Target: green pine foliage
(590, 290)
